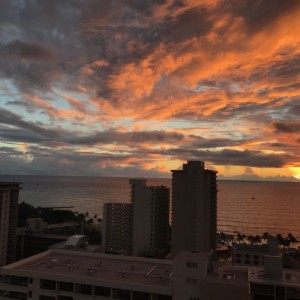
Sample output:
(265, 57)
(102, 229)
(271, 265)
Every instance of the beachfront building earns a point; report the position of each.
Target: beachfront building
(273, 282)
(140, 227)
(150, 216)
(253, 255)
(60, 274)
(9, 196)
(194, 208)
(79, 275)
(117, 228)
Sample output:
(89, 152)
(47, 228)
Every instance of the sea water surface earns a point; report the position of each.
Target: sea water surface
(245, 206)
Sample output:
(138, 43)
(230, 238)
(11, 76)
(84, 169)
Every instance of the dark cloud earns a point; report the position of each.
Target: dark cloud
(232, 157)
(129, 138)
(260, 13)
(287, 69)
(27, 51)
(24, 131)
(287, 127)
(9, 118)
(216, 142)
(190, 24)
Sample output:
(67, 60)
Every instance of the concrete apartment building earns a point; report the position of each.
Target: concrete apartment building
(194, 208)
(117, 228)
(253, 255)
(9, 196)
(142, 225)
(150, 216)
(80, 275)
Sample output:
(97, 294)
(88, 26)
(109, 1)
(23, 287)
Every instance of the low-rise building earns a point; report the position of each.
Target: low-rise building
(253, 255)
(60, 274)
(77, 275)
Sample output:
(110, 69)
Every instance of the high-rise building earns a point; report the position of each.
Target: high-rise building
(140, 226)
(9, 196)
(117, 228)
(194, 208)
(150, 216)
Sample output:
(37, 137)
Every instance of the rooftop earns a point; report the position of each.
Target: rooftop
(10, 185)
(289, 277)
(251, 248)
(99, 266)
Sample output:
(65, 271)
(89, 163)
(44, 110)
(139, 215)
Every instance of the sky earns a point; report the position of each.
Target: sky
(136, 88)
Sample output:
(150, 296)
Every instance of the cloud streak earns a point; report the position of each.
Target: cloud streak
(142, 85)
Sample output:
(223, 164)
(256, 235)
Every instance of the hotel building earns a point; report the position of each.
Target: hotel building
(60, 274)
(150, 216)
(9, 196)
(117, 228)
(194, 208)
(140, 226)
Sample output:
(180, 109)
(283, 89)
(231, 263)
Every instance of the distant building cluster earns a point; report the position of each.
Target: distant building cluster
(74, 271)
(139, 227)
(142, 227)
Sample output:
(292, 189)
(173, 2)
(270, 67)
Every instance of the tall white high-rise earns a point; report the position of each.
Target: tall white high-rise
(9, 196)
(194, 208)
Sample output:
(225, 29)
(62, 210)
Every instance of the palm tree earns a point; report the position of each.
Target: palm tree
(292, 239)
(250, 239)
(257, 239)
(265, 236)
(222, 237)
(280, 239)
(239, 237)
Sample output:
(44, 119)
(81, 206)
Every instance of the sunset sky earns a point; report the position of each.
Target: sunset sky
(137, 87)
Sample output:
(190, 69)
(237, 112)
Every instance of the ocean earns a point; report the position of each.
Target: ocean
(245, 206)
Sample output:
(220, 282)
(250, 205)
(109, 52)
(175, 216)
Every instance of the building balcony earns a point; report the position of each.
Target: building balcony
(6, 286)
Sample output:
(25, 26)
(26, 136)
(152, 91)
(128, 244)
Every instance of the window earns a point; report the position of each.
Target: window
(84, 289)
(140, 296)
(102, 291)
(121, 294)
(47, 284)
(65, 298)
(65, 286)
(18, 280)
(43, 297)
(192, 265)
(191, 280)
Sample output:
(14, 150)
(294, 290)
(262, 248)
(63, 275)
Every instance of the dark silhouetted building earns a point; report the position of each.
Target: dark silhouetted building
(9, 196)
(194, 208)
